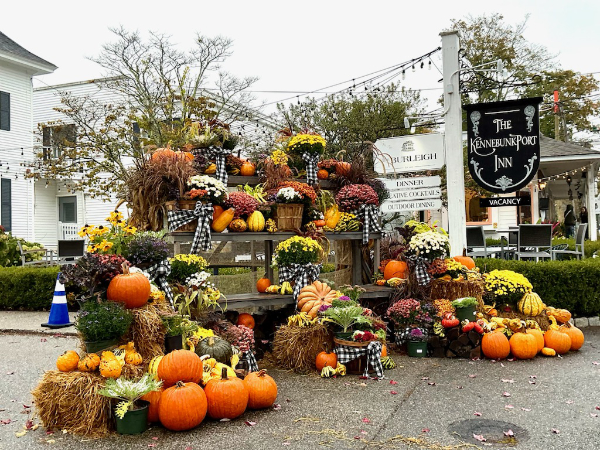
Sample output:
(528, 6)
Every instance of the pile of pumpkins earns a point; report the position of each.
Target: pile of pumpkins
(182, 403)
(110, 364)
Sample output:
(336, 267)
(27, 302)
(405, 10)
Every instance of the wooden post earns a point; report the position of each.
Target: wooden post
(268, 258)
(591, 202)
(356, 262)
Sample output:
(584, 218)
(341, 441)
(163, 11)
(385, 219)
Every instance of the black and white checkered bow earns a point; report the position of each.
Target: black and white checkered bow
(420, 268)
(373, 352)
(311, 162)
(159, 273)
(370, 218)
(251, 360)
(219, 154)
(302, 274)
(204, 215)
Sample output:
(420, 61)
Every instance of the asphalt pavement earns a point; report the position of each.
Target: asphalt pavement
(545, 403)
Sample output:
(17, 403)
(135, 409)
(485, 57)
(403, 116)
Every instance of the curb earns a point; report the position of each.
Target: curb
(56, 332)
(584, 322)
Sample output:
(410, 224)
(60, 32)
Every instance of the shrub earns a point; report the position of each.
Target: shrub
(27, 288)
(573, 284)
(9, 250)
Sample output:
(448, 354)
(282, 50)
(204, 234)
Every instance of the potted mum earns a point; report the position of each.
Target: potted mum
(131, 413)
(429, 245)
(505, 287)
(417, 343)
(465, 308)
(407, 314)
(102, 323)
(291, 197)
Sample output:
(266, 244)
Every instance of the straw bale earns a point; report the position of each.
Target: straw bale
(296, 348)
(70, 401)
(147, 330)
(455, 289)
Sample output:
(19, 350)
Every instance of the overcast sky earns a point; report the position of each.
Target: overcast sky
(299, 46)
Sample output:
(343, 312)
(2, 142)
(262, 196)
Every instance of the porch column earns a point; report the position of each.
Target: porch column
(535, 203)
(591, 203)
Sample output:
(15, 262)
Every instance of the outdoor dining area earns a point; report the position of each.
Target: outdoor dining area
(524, 242)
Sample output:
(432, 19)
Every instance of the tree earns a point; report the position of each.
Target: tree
(162, 90)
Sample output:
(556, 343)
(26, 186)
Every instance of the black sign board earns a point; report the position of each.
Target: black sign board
(504, 201)
(504, 143)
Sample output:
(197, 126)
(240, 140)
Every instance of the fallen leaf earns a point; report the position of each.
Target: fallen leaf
(569, 402)
(357, 437)
(505, 394)
(508, 406)
(504, 380)
(26, 406)
(151, 445)
(393, 382)
(597, 408)
(479, 437)
(250, 423)
(189, 447)
(533, 376)
(525, 409)
(51, 441)
(596, 363)
(431, 383)
(154, 438)
(425, 430)
(473, 376)
(502, 364)
(459, 387)
(288, 400)
(29, 424)
(362, 384)
(593, 415)
(276, 407)
(531, 381)
(509, 433)
(511, 359)
(478, 414)
(264, 341)
(10, 373)
(363, 432)
(225, 419)
(366, 420)
(43, 340)
(363, 378)
(5, 421)
(286, 443)
(21, 433)
(49, 432)
(555, 431)
(493, 361)
(393, 392)
(424, 378)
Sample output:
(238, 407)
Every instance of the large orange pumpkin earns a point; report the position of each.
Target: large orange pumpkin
(248, 169)
(182, 407)
(539, 337)
(575, 334)
(262, 284)
(395, 269)
(495, 345)
(68, 361)
(342, 168)
(561, 342)
(161, 153)
(180, 365)
(465, 261)
(262, 390)
(132, 289)
(154, 399)
(227, 398)
(326, 358)
(246, 320)
(311, 297)
(523, 345)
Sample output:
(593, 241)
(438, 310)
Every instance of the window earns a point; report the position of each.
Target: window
(475, 213)
(6, 204)
(57, 137)
(67, 209)
(4, 111)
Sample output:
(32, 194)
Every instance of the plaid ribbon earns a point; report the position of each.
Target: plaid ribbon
(311, 167)
(302, 274)
(219, 154)
(370, 217)
(251, 360)
(420, 268)
(373, 352)
(204, 215)
(159, 273)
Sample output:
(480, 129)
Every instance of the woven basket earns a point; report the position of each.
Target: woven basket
(288, 216)
(356, 366)
(183, 204)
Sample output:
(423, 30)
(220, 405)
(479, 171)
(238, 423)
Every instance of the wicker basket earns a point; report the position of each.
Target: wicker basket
(356, 366)
(288, 216)
(183, 204)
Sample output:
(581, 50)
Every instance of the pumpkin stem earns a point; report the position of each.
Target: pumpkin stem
(224, 373)
(125, 267)
(261, 373)
(180, 384)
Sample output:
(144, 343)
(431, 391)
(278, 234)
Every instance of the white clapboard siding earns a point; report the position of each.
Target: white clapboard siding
(46, 214)
(97, 210)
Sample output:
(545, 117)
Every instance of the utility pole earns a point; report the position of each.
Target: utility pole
(455, 178)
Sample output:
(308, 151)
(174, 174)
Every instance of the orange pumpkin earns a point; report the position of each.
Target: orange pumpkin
(575, 334)
(539, 337)
(319, 223)
(246, 320)
(68, 361)
(217, 211)
(384, 352)
(561, 315)
(227, 398)
(262, 390)
(180, 365)
(322, 174)
(395, 269)
(495, 345)
(132, 289)
(311, 297)
(523, 345)
(154, 399)
(561, 342)
(223, 220)
(342, 168)
(465, 261)
(185, 155)
(161, 153)
(248, 169)
(262, 284)
(327, 359)
(88, 363)
(182, 407)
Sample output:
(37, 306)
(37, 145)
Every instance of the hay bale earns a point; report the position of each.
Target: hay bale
(296, 348)
(455, 289)
(147, 330)
(70, 401)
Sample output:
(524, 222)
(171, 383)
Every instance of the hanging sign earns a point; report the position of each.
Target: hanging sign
(504, 201)
(504, 143)
(411, 183)
(411, 205)
(411, 153)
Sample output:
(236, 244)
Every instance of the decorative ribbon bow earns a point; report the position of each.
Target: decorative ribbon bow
(159, 273)
(204, 215)
(219, 154)
(370, 217)
(311, 167)
(302, 274)
(418, 263)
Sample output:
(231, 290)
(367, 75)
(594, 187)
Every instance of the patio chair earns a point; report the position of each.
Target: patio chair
(46, 259)
(70, 250)
(476, 245)
(534, 241)
(579, 243)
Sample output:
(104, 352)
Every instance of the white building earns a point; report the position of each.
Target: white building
(17, 197)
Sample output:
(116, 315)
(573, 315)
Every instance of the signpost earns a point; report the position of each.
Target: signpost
(411, 153)
(412, 194)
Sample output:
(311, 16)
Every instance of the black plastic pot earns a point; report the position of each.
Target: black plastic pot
(98, 346)
(173, 343)
(468, 313)
(134, 422)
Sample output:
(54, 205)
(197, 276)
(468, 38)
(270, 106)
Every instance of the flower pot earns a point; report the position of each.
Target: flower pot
(183, 204)
(98, 346)
(134, 422)
(417, 349)
(288, 216)
(344, 336)
(468, 313)
(173, 343)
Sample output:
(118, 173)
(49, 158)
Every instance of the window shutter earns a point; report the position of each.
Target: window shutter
(6, 204)
(4, 111)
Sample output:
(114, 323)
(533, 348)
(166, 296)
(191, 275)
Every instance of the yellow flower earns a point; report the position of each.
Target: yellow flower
(91, 249)
(105, 245)
(279, 158)
(130, 229)
(115, 217)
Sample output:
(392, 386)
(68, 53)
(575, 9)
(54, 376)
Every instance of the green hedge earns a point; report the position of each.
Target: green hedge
(27, 288)
(573, 284)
